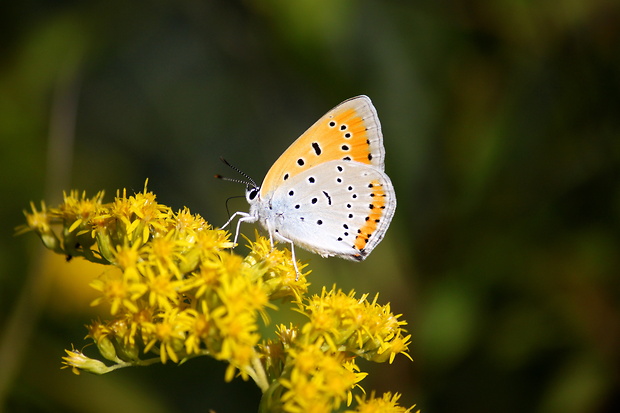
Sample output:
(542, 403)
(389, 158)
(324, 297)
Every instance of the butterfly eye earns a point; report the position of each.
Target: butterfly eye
(251, 193)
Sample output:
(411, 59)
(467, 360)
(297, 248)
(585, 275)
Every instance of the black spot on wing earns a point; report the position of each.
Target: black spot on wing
(329, 198)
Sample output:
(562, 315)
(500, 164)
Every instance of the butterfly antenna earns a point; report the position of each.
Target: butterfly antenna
(249, 180)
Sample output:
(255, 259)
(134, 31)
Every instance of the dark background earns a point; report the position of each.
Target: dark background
(502, 132)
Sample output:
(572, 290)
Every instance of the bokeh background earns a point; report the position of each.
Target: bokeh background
(502, 132)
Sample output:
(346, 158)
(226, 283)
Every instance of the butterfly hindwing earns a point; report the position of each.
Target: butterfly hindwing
(350, 131)
(339, 208)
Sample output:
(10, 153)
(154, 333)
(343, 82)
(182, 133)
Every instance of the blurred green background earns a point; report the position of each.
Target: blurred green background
(502, 131)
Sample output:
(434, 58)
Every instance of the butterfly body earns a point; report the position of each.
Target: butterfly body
(328, 192)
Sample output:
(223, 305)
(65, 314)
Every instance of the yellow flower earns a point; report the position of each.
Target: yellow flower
(169, 335)
(187, 223)
(277, 269)
(79, 209)
(388, 403)
(236, 330)
(175, 291)
(318, 376)
(356, 325)
(140, 328)
(213, 240)
(77, 361)
(127, 257)
(200, 331)
(239, 294)
(120, 291)
(41, 223)
(102, 336)
(163, 289)
(241, 359)
(205, 279)
(38, 221)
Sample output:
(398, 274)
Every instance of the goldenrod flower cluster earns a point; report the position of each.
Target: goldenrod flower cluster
(175, 290)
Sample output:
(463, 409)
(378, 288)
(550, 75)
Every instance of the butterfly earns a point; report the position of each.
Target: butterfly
(328, 192)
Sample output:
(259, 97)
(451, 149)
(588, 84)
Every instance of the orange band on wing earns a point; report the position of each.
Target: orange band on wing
(359, 150)
(376, 209)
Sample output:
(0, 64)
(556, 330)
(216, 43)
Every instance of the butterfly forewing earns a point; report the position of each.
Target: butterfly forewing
(338, 209)
(351, 131)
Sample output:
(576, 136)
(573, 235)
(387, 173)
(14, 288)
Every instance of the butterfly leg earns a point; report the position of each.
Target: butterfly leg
(294, 261)
(292, 250)
(245, 217)
(243, 214)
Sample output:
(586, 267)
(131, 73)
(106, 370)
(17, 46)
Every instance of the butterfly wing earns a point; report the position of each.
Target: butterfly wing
(350, 131)
(337, 208)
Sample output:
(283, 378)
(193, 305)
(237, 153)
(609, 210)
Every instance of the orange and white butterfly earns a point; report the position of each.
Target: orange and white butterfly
(328, 192)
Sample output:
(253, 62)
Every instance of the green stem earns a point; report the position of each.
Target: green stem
(261, 377)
